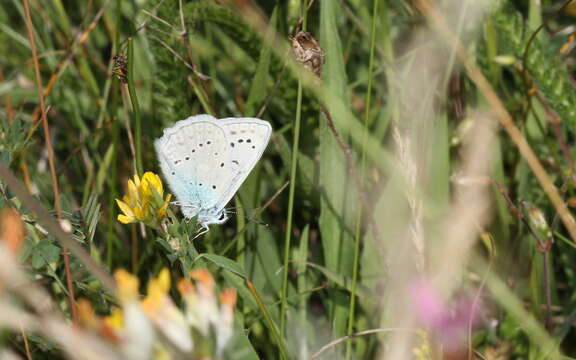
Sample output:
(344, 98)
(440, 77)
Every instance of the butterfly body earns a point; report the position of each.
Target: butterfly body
(205, 160)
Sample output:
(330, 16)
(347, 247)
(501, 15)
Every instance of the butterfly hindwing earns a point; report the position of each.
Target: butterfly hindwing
(190, 153)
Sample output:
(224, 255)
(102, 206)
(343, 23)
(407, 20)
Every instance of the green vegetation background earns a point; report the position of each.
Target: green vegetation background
(517, 47)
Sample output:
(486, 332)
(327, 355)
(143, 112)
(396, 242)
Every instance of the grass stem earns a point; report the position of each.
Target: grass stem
(358, 224)
(110, 238)
(135, 107)
(291, 194)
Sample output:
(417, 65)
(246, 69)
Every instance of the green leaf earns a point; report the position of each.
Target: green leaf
(344, 282)
(44, 253)
(263, 262)
(223, 262)
(52, 253)
(337, 187)
(37, 261)
(240, 347)
(104, 169)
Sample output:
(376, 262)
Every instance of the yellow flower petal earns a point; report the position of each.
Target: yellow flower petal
(133, 190)
(157, 291)
(164, 280)
(141, 213)
(151, 304)
(141, 203)
(159, 185)
(115, 320)
(136, 180)
(156, 182)
(125, 208)
(143, 191)
(128, 200)
(128, 216)
(125, 219)
(127, 285)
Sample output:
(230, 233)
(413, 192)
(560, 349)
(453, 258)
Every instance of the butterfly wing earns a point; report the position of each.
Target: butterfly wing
(205, 162)
(247, 139)
(188, 153)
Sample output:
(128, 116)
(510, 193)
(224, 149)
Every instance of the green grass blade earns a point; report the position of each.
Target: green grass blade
(135, 107)
(290, 212)
(337, 199)
(358, 225)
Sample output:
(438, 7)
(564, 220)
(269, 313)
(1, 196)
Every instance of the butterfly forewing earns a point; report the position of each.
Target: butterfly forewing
(247, 139)
(205, 160)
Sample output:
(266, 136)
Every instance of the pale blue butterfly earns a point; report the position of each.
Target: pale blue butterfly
(205, 160)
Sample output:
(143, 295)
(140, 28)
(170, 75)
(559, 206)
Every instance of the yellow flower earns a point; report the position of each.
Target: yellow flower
(163, 312)
(127, 285)
(149, 181)
(205, 322)
(145, 200)
(86, 314)
(115, 320)
(157, 290)
(422, 352)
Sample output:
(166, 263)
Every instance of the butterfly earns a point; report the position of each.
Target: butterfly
(205, 160)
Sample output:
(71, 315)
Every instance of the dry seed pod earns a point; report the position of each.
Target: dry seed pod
(307, 51)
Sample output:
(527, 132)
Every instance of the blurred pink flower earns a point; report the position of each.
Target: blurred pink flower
(447, 321)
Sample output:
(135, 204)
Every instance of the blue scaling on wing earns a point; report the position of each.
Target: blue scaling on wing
(205, 160)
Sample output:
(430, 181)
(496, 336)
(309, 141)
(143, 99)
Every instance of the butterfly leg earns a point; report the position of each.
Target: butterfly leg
(203, 230)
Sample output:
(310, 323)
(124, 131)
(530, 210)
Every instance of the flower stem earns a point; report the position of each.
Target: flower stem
(135, 107)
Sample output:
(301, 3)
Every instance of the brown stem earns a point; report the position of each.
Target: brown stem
(53, 227)
(554, 120)
(50, 150)
(7, 101)
(61, 66)
(542, 246)
(504, 117)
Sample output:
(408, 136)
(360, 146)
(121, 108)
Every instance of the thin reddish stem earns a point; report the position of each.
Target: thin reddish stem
(50, 151)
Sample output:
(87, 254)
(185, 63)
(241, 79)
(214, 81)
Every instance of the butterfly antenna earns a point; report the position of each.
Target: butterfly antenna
(232, 208)
(259, 222)
(247, 217)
